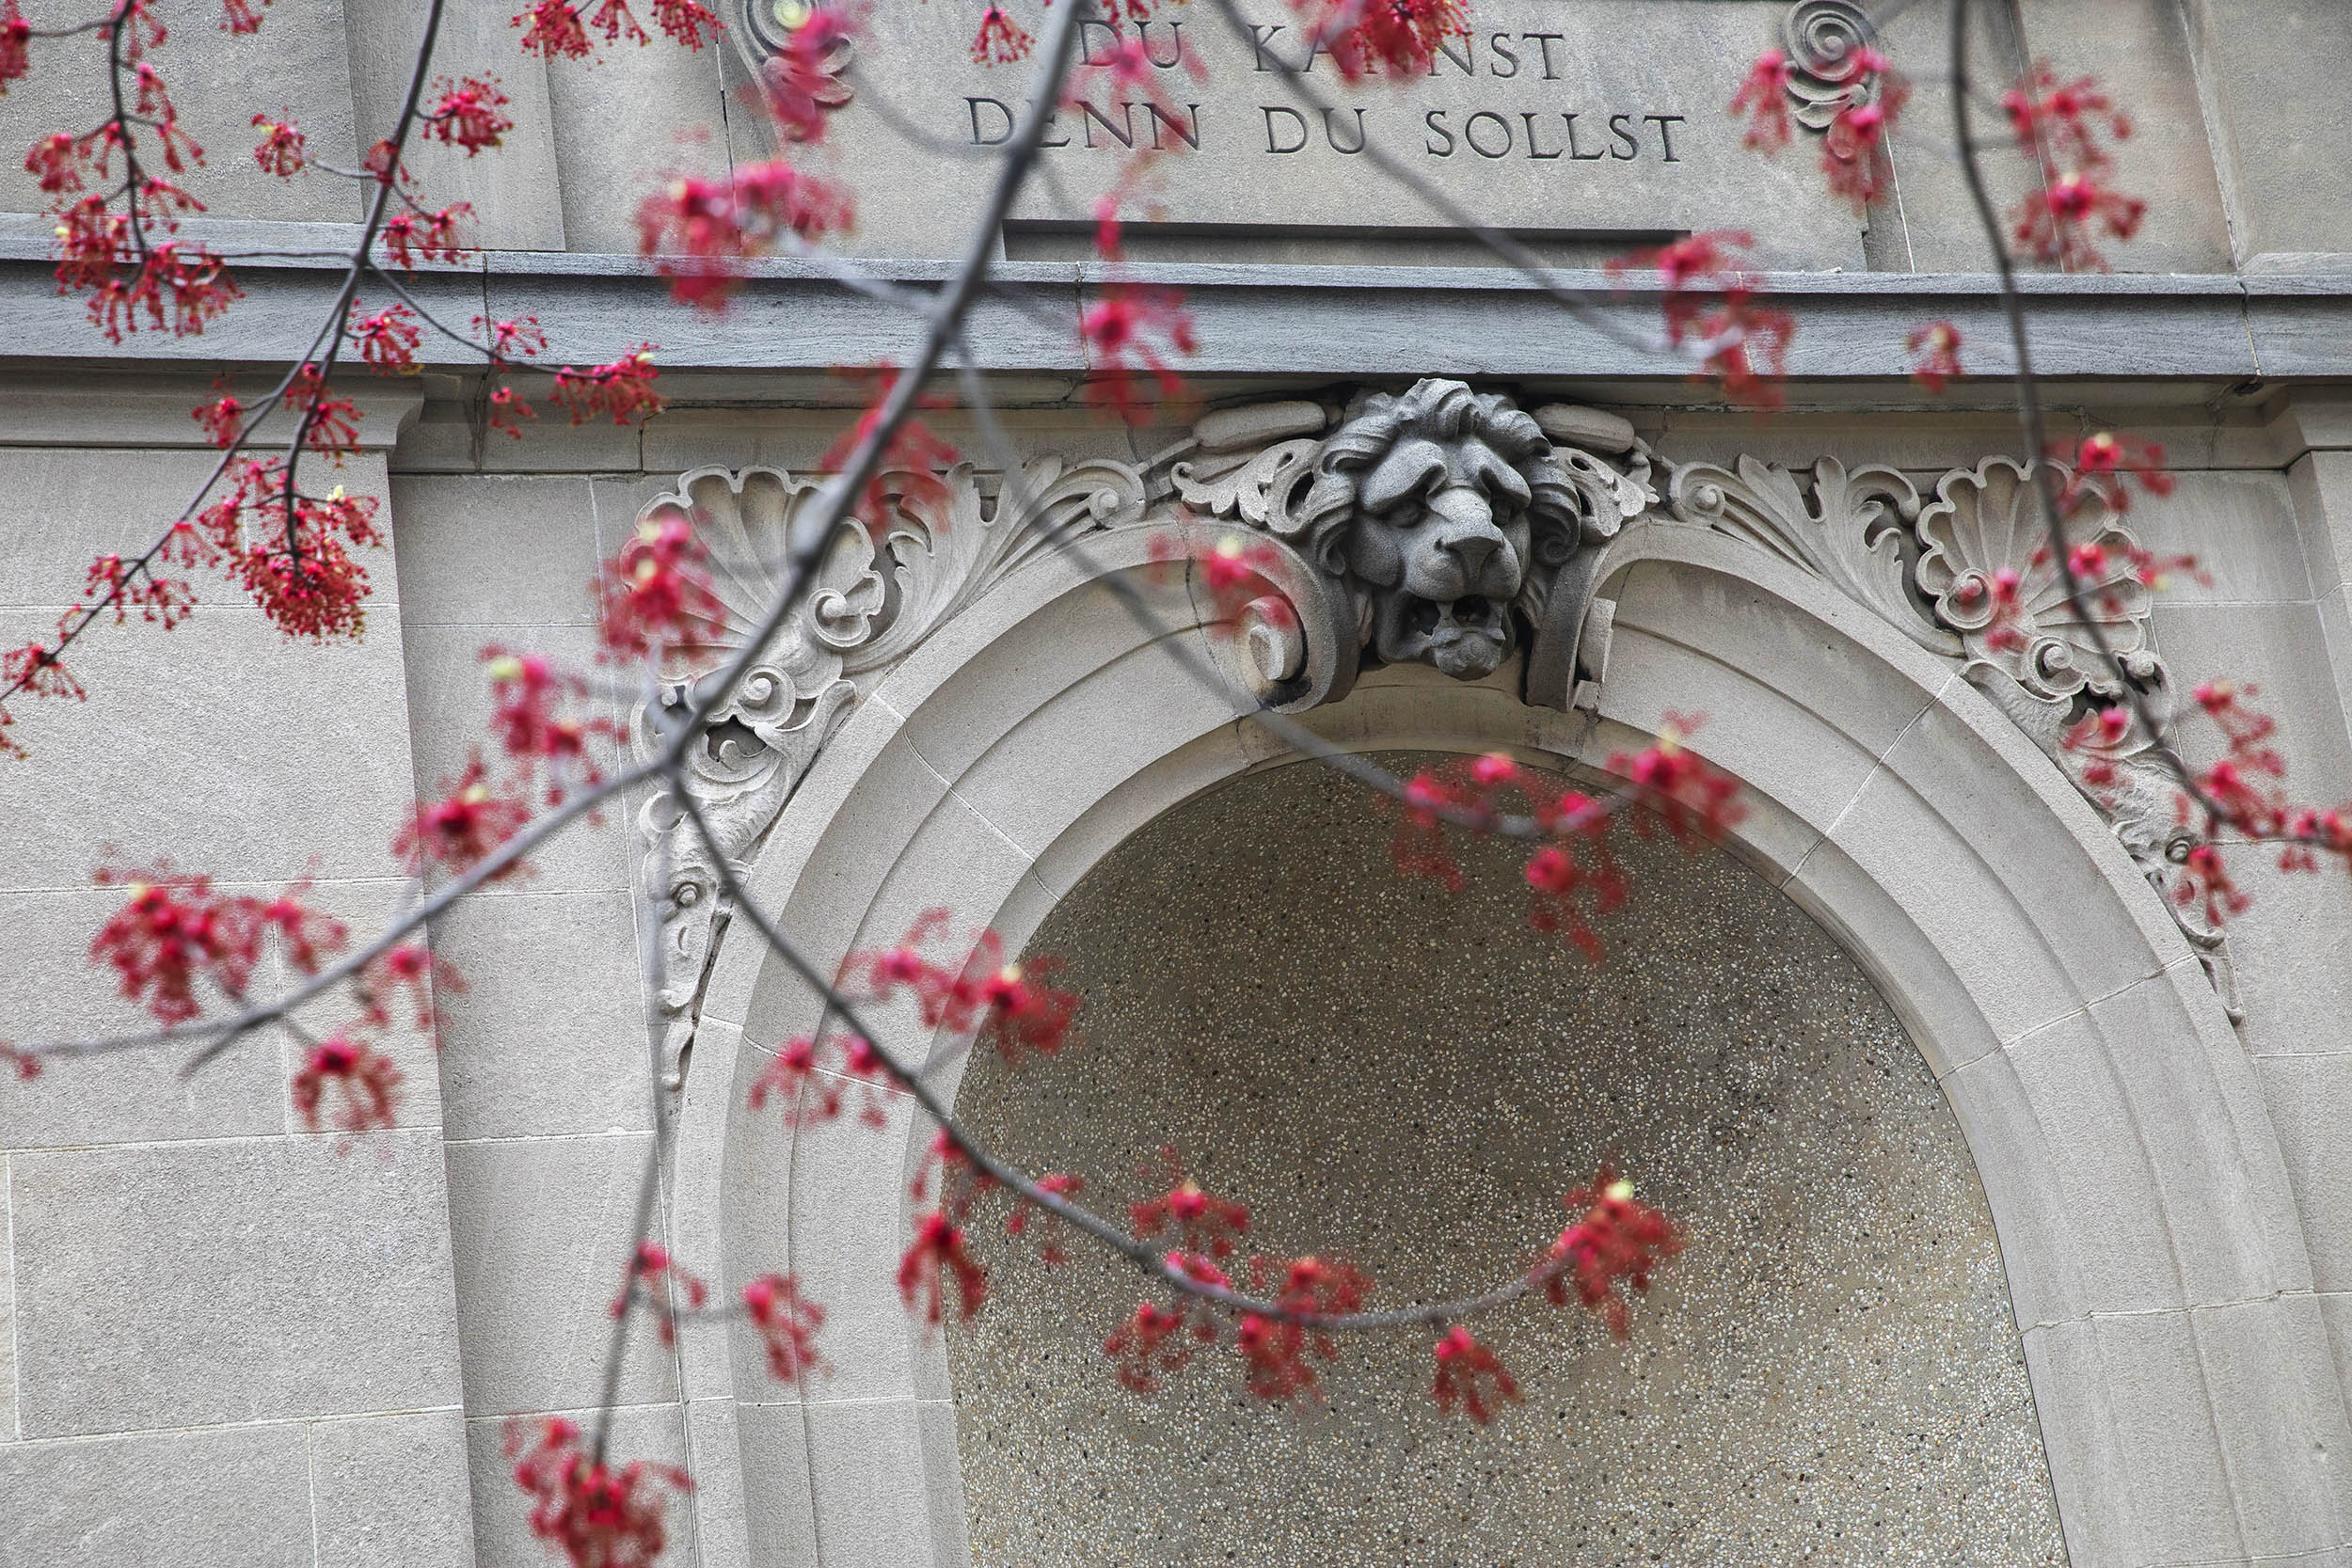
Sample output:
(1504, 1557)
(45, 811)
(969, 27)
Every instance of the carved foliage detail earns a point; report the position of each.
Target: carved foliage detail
(877, 593)
(1854, 529)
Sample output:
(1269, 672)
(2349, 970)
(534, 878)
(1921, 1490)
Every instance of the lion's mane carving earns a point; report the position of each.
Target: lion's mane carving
(1444, 510)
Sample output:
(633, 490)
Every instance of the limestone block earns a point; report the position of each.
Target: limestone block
(243, 1280)
(2241, 527)
(2154, 1384)
(2013, 1160)
(2139, 52)
(1030, 785)
(625, 125)
(722, 1525)
(850, 1224)
(2277, 649)
(549, 1035)
(872, 1510)
(224, 1498)
(78, 503)
(2281, 1511)
(539, 1229)
(779, 1508)
(50, 992)
(392, 1491)
(2310, 1099)
(2293, 950)
(514, 188)
(2320, 483)
(2266, 66)
(284, 757)
(495, 552)
(449, 710)
(295, 65)
(1956, 851)
(2071, 1081)
(502, 1510)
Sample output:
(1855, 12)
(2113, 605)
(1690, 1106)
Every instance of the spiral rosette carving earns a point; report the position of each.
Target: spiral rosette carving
(1825, 39)
(763, 28)
(1987, 521)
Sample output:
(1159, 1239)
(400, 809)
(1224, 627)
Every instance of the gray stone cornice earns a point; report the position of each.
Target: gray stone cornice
(1252, 320)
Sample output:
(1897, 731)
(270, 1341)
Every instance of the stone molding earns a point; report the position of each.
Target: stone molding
(1362, 518)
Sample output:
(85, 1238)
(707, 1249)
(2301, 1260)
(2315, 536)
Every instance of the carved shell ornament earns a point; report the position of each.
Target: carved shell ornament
(1987, 520)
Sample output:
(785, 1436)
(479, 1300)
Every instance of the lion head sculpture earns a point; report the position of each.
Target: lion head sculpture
(1446, 511)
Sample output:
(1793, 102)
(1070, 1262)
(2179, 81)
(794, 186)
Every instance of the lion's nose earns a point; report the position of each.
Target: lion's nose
(1469, 534)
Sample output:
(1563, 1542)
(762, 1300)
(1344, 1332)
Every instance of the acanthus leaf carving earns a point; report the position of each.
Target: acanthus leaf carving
(1854, 529)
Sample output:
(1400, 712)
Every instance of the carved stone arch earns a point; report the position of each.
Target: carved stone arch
(2155, 1254)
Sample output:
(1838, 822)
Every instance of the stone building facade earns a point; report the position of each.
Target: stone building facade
(2022, 1209)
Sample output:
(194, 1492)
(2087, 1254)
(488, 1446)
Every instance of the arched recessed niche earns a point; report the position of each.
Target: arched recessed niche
(1380, 1066)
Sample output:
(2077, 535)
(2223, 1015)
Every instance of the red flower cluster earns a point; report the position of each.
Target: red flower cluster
(937, 1262)
(1934, 355)
(1618, 1238)
(412, 237)
(388, 339)
(622, 388)
(1469, 1375)
(528, 693)
(911, 459)
(361, 1077)
(280, 150)
(812, 1092)
(297, 562)
(1207, 1225)
(1693, 802)
(1007, 1005)
(2247, 793)
(16, 36)
(598, 1517)
(653, 1270)
(1709, 305)
(468, 114)
(1274, 1351)
(472, 819)
(704, 232)
(2065, 128)
(410, 967)
(556, 30)
(1001, 40)
(2101, 463)
(1849, 149)
(654, 595)
(1763, 102)
(176, 929)
(1398, 37)
(1149, 1346)
(787, 1323)
(1118, 333)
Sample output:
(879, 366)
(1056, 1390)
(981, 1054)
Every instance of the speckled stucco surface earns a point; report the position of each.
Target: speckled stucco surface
(1829, 1374)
